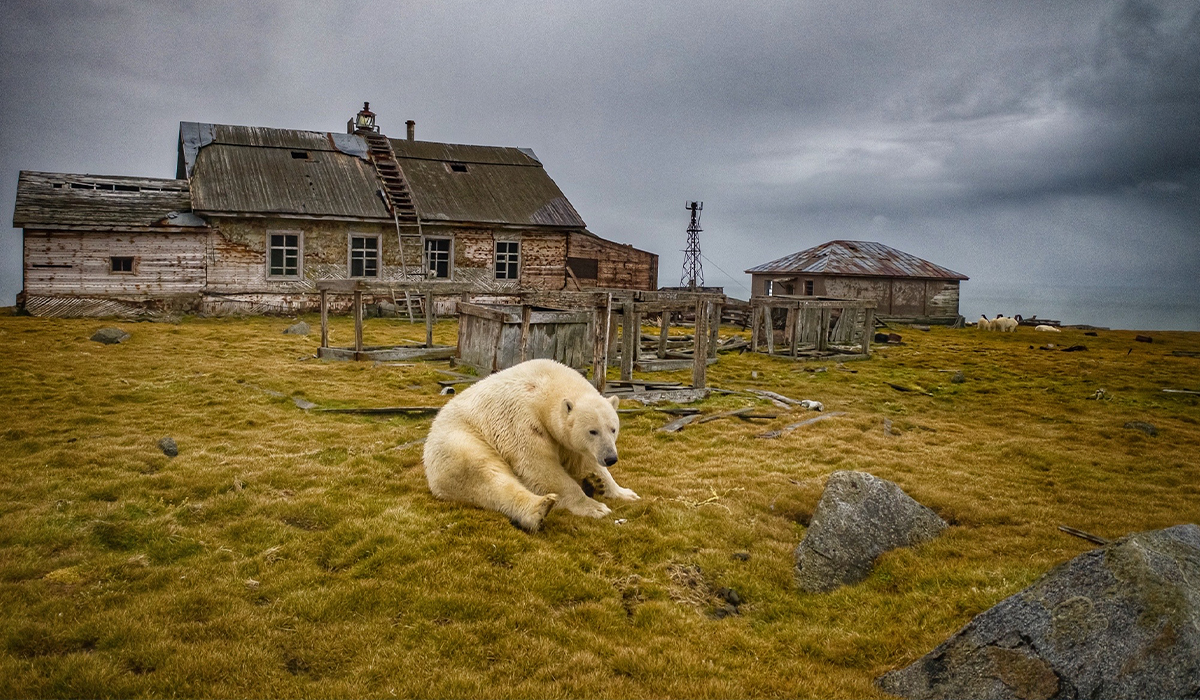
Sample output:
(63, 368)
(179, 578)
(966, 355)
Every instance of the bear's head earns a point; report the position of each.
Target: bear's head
(591, 425)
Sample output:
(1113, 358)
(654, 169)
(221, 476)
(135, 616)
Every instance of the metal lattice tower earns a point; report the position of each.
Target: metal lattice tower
(693, 269)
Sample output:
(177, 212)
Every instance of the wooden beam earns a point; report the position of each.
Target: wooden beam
(600, 332)
(429, 319)
(526, 311)
(700, 352)
(324, 319)
(715, 333)
(629, 340)
(664, 330)
(358, 322)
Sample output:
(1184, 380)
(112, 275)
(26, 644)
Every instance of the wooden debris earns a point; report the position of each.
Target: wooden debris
(386, 410)
(772, 434)
(654, 409)
(677, 424)
(1184, 353)
(724, 414)
(303, 403)
(1181, 391)
(1083, 535)
(774, 397)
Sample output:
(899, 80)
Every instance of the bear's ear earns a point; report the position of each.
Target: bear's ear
(568, 405)
(615, 401)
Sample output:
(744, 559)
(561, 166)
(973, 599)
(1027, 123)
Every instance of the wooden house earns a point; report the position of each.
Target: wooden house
(257, 215)
(903, 286)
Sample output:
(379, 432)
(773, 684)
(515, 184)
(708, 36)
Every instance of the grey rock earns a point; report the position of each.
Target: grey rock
(859, 517)
(299, 328)
(168, 446)
(1147, 428)
(958, 378)
(1122, 621)
(110, 336)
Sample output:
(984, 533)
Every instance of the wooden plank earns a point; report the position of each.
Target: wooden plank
(324, 319)
(714, 337)
(358, 322)
(601, 317)
(485, 312)
(629, 340)
(772, 434)
(526, 310)
(430, 316)
(700, 353)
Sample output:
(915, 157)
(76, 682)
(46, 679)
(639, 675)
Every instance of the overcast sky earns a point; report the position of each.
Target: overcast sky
(1048, 150)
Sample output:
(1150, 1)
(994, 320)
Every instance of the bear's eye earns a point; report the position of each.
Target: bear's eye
(593, 432)
(614, 431)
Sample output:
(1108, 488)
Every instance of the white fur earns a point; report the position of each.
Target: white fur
(983, 323)
(1004, 324)
(522, 440)
(1049, 329)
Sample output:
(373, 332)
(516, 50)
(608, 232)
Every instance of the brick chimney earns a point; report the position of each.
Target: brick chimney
(412, 129)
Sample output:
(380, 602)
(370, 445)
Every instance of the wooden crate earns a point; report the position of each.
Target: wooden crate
(494, 337)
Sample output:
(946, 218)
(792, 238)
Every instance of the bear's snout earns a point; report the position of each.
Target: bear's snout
(610, 460)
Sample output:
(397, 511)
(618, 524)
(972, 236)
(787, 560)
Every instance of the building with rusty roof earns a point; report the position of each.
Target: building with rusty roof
(902, 285)
(256, 216)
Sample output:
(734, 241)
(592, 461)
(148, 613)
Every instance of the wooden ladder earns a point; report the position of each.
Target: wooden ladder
(395, 186)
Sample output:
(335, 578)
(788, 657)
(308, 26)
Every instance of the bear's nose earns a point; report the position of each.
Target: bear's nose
(609, 461)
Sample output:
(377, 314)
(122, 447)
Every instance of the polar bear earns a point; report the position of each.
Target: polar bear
(522, 441)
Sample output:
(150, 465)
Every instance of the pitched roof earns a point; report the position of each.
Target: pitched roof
(257, 170)
(101, 201)
(859, 259)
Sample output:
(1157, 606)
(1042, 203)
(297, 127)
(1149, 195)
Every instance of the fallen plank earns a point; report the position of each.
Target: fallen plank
(772, 434)
(776, 397)
(1083, 535)
(386, 410)
(677, 424)
(724, 414)
(1181, 391)
(652, 409)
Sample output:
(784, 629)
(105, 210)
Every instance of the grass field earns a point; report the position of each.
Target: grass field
(286, 553)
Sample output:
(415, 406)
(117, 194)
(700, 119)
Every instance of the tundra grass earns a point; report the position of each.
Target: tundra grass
(291, 553)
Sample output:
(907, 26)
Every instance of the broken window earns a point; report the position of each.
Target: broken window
(584, 268)
(437, 257)
(283, 255)
(364, 256)
(120, 264)
(508, 255)
(808, 288)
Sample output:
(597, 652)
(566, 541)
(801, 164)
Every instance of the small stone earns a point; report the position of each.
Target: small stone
(303, 403)
(958, 378)
(300, 328)
(742, 556)
(110, 336)
(1147, 428)
(168, 446)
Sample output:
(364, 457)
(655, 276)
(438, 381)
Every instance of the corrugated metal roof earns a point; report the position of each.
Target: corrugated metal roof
(257, 170)
(101, 200)
(482, 184)
(857, 258)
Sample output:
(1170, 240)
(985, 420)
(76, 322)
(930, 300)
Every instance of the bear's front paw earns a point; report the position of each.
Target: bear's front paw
(590, 509)
(623, 494)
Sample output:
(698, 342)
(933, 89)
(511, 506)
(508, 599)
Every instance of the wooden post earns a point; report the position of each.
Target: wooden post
(822, 329)
(789, 326)
(868, 330)
(755, 317)
(663, 331)
(429, 319)
(629, 341)
(603, 315)
(324, 318)
(700, 349)
(714, 338)
(769, 324)
(358, 323)
(526, 312)
(798, 319)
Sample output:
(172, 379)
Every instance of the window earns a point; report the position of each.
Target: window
(283, 255)
(808, 288)
(769, 287)
(120, 264)
(584, 268)
(508, 256)
(364, 256)
(457, 167)
(300, 155)
(437, 257)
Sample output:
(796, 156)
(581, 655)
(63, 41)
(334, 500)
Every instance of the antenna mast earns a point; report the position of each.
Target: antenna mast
(693, 269)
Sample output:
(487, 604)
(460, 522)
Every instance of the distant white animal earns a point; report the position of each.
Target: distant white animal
(983, 323)
(1044, 327)
(1004, 324)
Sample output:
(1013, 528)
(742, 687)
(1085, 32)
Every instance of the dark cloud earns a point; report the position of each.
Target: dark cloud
(1048, 142)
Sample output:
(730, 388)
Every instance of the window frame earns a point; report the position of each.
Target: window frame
(512, 263)
(425, 240)
(810, 288)
(350, 255)
(299, 274)
(112, 264)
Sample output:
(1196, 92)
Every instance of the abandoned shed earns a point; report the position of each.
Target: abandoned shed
(256, 216)
(903, 286)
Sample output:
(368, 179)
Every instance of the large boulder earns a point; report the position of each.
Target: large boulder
(1122, 621)
(858, 518)
(298, 328)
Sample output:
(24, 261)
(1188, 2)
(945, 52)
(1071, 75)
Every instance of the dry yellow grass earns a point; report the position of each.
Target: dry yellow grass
(286, 553)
